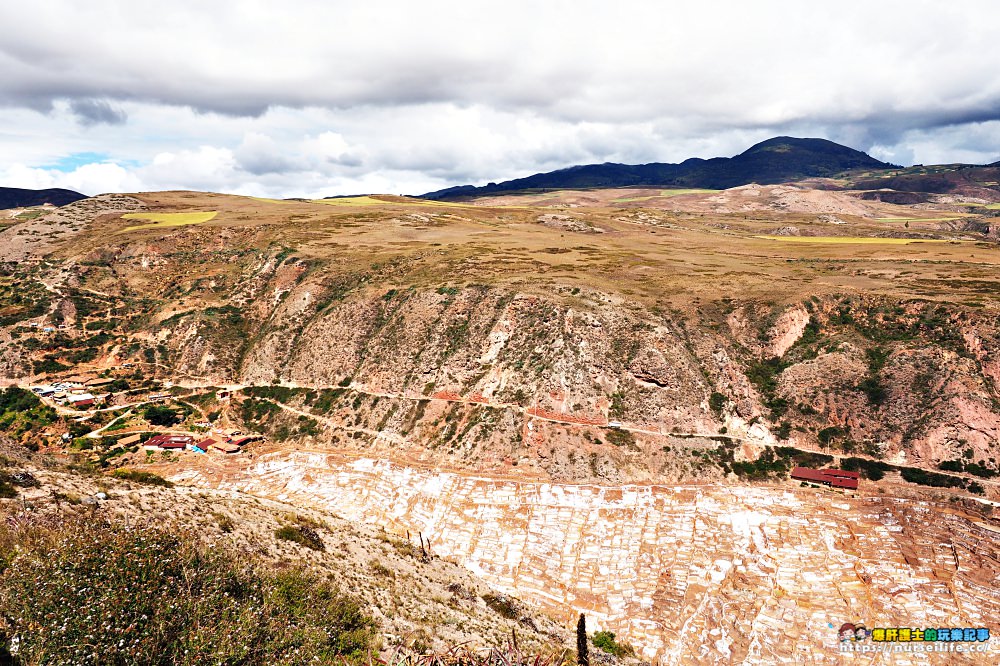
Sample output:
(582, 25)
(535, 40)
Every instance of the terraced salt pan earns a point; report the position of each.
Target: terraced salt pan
(686, 574)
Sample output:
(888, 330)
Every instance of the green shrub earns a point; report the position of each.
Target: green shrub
(716, 402)
(605, 640)
(21, 411)
(105, 595)
(503, 605)
(764, 376)
(870, 469)
(827, 435)
(621, 438)
(138, 476)
(302, 535)
(951, 466)
(874, 390)
(160, 415)
(925, 478)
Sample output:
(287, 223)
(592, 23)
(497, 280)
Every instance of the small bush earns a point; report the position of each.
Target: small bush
(302, 535)
(381, 570)
(503, 605)
(621, 438)
(224, 522)
(161, 416)
(605, 640)
(874, 390)
(872, 470)
(827, 435)
(138, 476)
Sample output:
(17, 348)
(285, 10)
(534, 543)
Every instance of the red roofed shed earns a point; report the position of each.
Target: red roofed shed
(836, 478)
(809, 474)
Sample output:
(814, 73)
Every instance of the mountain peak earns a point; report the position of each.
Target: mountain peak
(791, 144)
(776, 160)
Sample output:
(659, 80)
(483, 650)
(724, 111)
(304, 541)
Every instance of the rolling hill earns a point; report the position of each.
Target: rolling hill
(776, 160)
(14, 197)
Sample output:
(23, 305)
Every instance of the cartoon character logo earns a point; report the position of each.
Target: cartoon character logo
(846, 632)
(860, 632)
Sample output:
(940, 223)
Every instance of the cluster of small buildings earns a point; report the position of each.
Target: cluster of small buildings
(76, 392)
(46, 328)
(835, 478)
(227, 441)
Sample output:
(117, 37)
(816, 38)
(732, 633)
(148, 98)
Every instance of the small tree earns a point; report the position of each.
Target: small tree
(716, 402)
(582, 653)
(161, 416)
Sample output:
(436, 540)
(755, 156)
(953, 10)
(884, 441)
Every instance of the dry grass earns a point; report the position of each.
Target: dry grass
(854, 240)
(647, 255)
(160, 597)
(665, 193)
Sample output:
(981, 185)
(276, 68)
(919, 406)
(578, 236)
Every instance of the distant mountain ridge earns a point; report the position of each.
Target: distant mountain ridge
(15, 197)
(776, 160)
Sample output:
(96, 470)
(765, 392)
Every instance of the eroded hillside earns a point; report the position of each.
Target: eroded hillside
(686, 341)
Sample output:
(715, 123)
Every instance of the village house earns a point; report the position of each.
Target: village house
(80, 399)
(130, 440)
(225, 447)
(169, 442)
(205, 444)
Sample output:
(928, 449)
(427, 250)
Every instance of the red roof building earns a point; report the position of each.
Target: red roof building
(835, 478)
(170, 441)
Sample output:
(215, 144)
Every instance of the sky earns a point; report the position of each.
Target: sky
(301, 98)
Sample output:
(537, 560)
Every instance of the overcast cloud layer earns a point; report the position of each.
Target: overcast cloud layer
(299, 98)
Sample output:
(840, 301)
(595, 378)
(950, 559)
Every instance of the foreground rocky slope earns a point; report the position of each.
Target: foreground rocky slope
(691, 574)
(416, 599)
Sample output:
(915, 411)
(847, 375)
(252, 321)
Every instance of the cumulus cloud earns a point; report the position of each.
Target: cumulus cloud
(91, 179)
(334, 96)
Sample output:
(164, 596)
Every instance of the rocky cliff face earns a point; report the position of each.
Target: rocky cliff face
(458, 370)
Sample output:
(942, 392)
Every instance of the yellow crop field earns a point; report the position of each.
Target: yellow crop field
(373, 201)
(161, 220)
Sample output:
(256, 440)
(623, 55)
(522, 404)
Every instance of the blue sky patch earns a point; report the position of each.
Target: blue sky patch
(70, 162)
